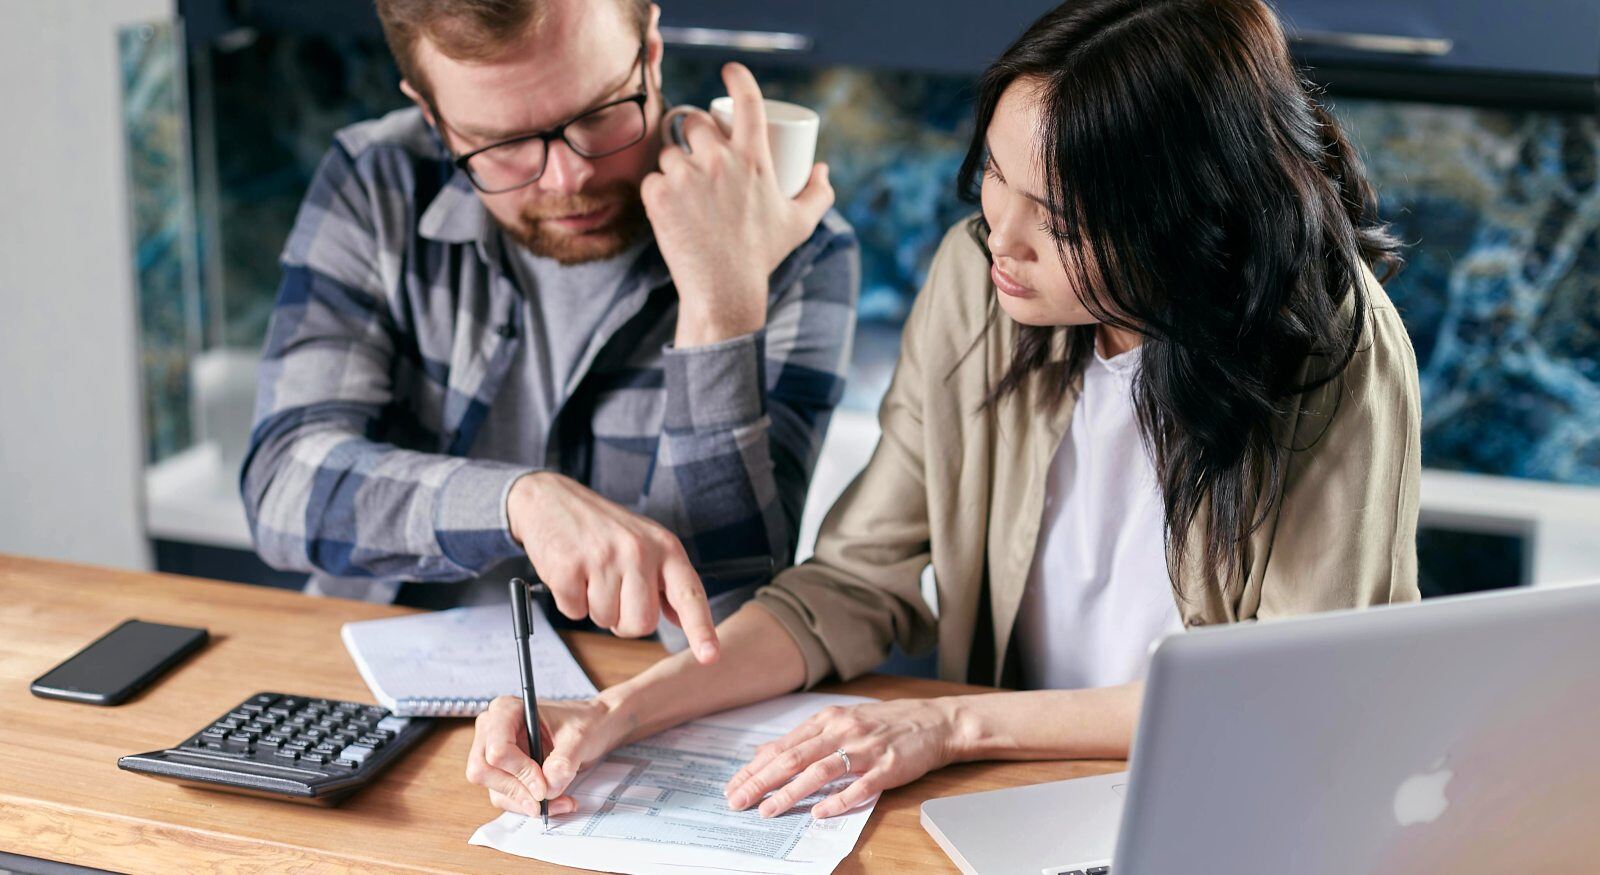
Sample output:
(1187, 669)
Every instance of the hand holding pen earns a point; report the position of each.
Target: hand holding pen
(562, 736)
(527, 753)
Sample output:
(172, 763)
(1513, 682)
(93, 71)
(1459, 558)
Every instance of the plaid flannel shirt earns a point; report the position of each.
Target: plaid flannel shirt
(395, 324)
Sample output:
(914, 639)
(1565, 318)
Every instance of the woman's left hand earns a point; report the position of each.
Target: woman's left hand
(888, 744)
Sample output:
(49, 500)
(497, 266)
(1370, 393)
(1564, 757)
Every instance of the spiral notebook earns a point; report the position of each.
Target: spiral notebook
(453, 663)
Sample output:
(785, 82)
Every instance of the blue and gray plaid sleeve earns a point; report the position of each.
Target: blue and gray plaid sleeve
(745, 420)
(320, 494)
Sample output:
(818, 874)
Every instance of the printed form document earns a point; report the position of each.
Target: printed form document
(656, 806)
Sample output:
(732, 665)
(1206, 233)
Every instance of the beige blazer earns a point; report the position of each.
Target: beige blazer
(963, 488)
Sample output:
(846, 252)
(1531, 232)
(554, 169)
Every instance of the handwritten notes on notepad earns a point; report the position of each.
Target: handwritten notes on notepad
(656, 806)
(453, 663)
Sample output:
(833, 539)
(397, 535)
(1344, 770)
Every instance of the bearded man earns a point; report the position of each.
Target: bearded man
(516, 329)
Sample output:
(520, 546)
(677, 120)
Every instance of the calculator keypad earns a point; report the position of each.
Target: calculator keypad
(293, 748)
(288, 729)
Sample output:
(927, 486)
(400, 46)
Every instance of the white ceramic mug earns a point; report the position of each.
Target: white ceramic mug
(792, 134)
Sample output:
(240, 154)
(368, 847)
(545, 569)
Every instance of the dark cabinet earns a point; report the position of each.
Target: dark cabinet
(1500, 51)
(1518, 37)
(1549, 38)
(1521, 50)
(942, 37)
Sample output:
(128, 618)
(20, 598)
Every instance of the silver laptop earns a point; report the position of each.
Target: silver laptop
(1458, 736)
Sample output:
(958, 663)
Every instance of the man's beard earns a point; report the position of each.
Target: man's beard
(625, 228)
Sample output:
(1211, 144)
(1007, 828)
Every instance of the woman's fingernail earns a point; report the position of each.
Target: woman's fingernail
(706, 651)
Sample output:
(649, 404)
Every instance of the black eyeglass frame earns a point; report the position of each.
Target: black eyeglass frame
(559, 132)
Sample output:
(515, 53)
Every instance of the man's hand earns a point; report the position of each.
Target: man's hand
(721, 222)
(602, 561)
(575, 734)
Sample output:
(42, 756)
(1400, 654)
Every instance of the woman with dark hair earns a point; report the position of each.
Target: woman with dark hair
(1153, 385)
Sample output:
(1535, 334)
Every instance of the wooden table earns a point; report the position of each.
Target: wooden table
(63, 798)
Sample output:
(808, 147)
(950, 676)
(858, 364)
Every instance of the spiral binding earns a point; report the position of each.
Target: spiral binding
(436, 706)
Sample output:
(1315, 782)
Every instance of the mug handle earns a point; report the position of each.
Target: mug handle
(673, 129)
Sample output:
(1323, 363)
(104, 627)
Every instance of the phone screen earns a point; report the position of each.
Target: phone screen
(120, 662)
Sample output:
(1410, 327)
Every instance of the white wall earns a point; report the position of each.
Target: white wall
(71, 446)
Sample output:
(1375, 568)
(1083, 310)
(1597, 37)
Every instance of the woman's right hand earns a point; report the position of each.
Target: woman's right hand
(576, 733)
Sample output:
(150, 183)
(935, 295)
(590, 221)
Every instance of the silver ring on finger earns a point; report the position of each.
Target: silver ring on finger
(846, 757)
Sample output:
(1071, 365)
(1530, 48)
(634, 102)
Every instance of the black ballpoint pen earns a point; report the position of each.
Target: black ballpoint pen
(521, 592)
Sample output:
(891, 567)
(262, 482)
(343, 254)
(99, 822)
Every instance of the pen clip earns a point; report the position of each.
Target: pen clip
(525, 597)
(520, 612)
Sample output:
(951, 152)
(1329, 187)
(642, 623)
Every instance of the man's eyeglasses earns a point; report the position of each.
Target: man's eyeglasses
(605, 130)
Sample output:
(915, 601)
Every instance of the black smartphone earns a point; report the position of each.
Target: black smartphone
(119, 663)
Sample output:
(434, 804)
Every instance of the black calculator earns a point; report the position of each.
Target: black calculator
(287, 747)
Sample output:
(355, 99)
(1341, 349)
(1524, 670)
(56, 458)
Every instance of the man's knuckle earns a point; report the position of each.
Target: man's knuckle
(631, 549)
(663, 539)
(689, 593)
(561, 575)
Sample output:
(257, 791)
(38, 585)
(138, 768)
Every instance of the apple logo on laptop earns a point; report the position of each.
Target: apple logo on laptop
(1420, 798)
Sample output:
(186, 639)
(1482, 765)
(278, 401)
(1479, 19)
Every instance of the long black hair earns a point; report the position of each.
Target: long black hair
(1219, 213)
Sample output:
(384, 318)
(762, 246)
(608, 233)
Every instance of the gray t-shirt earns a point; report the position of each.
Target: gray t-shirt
(562, 308)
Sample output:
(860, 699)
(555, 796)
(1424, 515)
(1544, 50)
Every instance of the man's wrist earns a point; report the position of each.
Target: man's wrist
(522, 497)
(702, 326)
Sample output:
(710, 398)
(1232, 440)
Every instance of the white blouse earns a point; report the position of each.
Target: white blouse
(1098, 593)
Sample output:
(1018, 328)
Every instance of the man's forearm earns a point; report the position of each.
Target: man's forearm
(759, 660)
(717, 479)
(303, 500)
